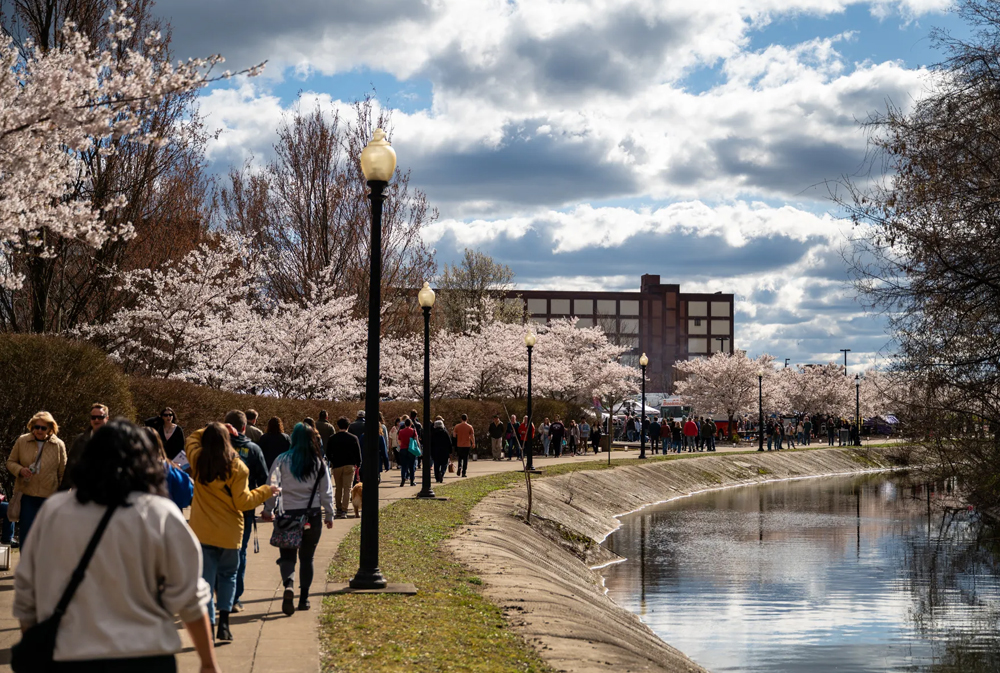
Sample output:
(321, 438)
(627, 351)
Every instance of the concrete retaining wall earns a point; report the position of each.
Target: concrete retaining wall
(541, 574)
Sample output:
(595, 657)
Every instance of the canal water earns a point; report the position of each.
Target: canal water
(856, 574)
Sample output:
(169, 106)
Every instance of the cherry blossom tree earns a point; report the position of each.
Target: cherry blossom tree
(69, 99)
(728, 383)
(188, 320)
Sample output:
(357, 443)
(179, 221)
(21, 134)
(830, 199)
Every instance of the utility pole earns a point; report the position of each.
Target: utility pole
(845, 351)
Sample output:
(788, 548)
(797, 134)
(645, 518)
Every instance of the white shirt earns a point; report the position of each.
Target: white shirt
(146, 569)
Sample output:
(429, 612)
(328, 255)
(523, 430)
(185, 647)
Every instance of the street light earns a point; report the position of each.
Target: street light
(857, 409)
(426, 299)
(845, 351)
(760, 410)
(529, 341)
(643, 361)
(378, 162)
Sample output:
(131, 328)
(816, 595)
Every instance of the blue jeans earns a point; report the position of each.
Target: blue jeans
(407, 465)
(383, 464)
(30, 504)
(219, 568)
(248, 520)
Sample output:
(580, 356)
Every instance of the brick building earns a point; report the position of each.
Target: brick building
(659, 320)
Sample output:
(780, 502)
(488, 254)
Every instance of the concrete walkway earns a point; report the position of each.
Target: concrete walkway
(265, 640)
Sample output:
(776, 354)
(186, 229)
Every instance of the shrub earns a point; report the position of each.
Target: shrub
(196, 406)
(57, 375)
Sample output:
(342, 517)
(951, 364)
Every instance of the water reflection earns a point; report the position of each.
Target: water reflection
(847, 574)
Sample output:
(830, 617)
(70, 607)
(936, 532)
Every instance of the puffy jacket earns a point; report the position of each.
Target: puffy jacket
(217, 509)
(690, 429)
(51, 468)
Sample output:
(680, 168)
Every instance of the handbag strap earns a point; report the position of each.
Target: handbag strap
(319, 475)
(81, 568)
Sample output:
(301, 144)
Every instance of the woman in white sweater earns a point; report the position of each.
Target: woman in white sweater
(146, 568)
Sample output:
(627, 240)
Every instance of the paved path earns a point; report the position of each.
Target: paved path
(265, 640)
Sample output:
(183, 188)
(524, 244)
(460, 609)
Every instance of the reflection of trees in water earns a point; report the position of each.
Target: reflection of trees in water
(943, 569)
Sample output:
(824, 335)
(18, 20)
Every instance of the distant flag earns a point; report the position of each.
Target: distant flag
(597, 405)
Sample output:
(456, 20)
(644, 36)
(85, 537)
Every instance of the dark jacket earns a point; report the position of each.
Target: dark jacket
(440, 445)
(708, 428)
(654, 430)
(496, 430)
(273, 445)
(556, 430)
(357, 428)
(253, 458)
(172, 446)
(343, 449)
(73, 456)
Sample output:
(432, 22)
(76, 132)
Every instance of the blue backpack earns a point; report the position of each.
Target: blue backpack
(179, 485)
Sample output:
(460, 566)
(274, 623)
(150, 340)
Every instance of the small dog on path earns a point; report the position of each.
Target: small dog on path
(356, 499)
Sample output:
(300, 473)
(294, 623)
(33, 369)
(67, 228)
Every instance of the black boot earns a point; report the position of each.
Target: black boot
(304, 601)
(288, 600)
(223, 634)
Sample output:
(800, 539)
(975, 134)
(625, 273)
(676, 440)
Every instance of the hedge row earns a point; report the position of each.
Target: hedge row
(59, 376)
(196, 406)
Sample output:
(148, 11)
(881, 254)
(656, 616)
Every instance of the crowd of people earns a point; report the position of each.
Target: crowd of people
(119, 491)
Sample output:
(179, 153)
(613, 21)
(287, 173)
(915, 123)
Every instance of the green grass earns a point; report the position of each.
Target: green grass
(449, 625)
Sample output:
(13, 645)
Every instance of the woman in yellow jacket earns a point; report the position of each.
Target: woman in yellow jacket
(37, 461)
(220, 498)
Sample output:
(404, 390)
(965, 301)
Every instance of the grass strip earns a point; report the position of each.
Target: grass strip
(449, 625)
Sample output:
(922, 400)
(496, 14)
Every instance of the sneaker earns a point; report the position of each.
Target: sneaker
(238, 606)
(223, 634)
(304, 604)
(288, 602)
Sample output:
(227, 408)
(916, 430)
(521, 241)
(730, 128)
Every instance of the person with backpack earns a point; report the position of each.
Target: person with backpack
(306, 491)
(407, 459)
(144, 568)
(180, 487)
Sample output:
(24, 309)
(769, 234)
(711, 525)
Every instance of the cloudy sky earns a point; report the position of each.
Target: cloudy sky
(586, 142)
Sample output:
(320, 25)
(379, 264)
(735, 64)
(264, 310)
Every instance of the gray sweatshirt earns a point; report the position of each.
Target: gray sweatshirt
(147, 568)
(295, 492)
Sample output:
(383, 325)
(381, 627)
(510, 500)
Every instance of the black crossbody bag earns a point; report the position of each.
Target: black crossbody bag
(34, 653)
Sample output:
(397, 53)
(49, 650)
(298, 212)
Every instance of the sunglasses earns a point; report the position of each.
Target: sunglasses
(43, 428)
(166, 415)
(98, 418)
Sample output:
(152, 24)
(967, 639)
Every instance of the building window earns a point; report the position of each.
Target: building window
(539, 320)
(628, 325)
(720, 309)
(585, 322)
(698, 308)
(536, 306)
(515, 302)
(720, 345)
(560, 306)
(630, 341)
(720, 327)
(607, 307)
(697, 345)
(583, 307)
(698, 326)
(630, 360)
(630, 307)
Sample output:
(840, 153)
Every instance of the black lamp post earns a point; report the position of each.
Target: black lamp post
(529, 341)
(845, 351)
(857, 409)
(760, 410)
(378, 162)
(426, 299)
(643, 362)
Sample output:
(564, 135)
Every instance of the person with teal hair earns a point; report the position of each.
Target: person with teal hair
(305, 487)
